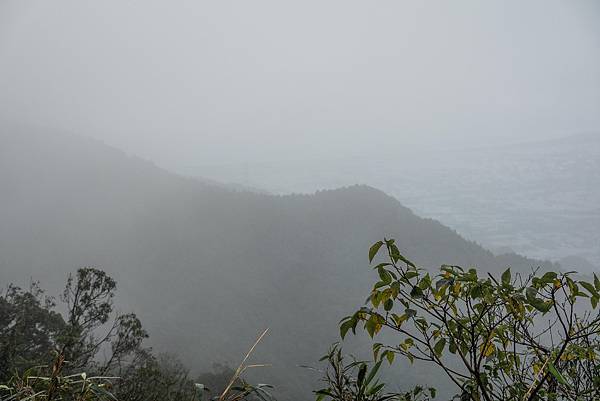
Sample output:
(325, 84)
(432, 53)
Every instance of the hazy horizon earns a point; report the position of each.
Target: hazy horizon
(204, 82)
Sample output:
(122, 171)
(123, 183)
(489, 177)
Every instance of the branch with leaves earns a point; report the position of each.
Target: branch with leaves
(514, 337)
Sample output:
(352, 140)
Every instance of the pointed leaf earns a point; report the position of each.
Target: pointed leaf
(438, 348)
(372, 373)
(591, 289)
(557, 374)
(506, 276)
(416, 292)
(390, 357)
(374, 249)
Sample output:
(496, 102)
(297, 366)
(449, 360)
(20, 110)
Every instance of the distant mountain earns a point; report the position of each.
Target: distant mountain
(207, 268)
(539, 198)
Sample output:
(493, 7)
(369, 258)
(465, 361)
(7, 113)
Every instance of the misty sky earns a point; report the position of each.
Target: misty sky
(249, 80)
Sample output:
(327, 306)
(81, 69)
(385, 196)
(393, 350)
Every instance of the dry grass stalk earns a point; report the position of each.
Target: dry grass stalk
(241, 368)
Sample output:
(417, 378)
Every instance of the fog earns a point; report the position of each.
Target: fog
(201, 82)
(230, 163)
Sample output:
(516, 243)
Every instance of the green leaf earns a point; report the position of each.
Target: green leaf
(374, 249)
(323, 393)
(411, 274)
(390, 357)
(506, 276)
(375, 389)
(382, 265)
(531, 294)
(370, 327)
(438, 348)
(373, 373)
(425, 282)
(344, 327)
(452, 347)
(375, 298)
(541, 305)
(594, 301)
(557, 374)
(379, 284)
(591, 289)
(416, 292)
(376, 349)
(549, 277)
(596, 282)
(384, 275)
(399, 319)
(476, 292)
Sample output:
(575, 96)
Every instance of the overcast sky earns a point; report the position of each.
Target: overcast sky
(251, 79)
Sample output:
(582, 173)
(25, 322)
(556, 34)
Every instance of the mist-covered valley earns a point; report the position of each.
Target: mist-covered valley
(277, 201)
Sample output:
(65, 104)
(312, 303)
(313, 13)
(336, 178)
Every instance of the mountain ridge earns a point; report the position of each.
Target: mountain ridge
(207, 268)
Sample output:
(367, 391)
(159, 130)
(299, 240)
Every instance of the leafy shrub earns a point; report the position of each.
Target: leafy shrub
(515, 337)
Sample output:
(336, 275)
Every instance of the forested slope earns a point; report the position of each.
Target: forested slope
(204, 267)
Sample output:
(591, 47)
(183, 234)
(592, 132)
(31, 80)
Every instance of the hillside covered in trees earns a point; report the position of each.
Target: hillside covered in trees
(205, 267)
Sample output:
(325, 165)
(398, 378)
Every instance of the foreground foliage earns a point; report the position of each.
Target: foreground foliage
(47, 383)
(514, 337)
(92, 353)
(358, 381)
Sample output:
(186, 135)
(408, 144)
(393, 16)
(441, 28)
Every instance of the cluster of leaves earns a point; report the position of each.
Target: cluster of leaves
(32, 332)
(89, 298)
(516, 337)
(29, 329)
(358, 381)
